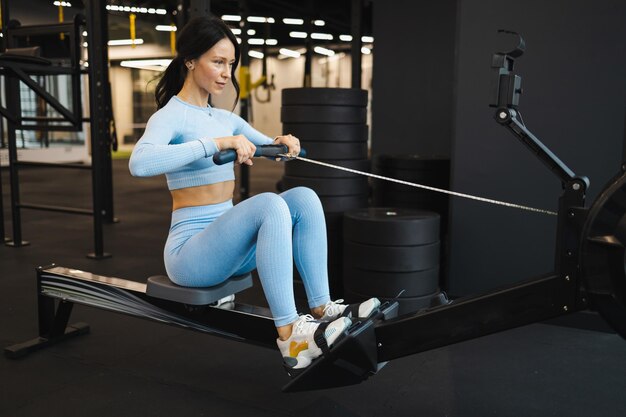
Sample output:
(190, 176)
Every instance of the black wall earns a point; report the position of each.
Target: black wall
(412, 99)
(574, 100)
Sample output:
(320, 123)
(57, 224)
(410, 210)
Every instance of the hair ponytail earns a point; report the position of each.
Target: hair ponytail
(198, 36)
(171, 81)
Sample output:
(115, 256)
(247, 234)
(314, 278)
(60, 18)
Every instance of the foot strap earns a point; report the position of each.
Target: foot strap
(320, 339)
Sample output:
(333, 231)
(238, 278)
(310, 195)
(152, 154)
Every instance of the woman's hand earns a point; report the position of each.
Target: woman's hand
(292, 143)
(244, 148)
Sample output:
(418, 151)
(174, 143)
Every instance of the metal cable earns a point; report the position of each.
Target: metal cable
(426, 187)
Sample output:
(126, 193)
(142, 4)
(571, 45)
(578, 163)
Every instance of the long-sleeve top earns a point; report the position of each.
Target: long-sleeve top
(179, 141)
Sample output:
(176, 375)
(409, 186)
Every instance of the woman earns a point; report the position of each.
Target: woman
(211, 240)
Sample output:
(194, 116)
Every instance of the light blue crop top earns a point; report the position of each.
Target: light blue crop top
(179, 142)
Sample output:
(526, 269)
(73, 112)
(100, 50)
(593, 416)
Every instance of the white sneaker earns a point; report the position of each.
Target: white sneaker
(334, 309)
(307, 339)
(226, 303)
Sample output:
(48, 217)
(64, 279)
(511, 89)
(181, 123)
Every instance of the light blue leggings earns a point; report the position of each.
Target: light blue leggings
(208, 244)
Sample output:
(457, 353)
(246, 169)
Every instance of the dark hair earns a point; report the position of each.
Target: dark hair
(198, 36)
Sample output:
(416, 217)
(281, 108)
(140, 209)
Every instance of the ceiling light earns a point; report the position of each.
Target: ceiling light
(366, 51)
(231, 18)
(367, 39)
(319, 22)
(236, 31)
(62, 3)
(251, 32)
(129, 9)
(84, 33)
(256, 54)
(271, 42)
(301, 35)
(324, 51)
(256, 41)
(345, 38)
(165, 28)
(150, 64)
(323, 36)
(121, 42)
(290, 21)
(259, 19)
(289, 53)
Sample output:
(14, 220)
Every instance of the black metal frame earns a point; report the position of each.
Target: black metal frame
(20, 69)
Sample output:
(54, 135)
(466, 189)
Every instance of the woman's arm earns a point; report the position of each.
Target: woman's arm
(154, 155)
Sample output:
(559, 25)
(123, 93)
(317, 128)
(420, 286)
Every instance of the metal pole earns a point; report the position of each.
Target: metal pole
(244, 95)
(356, 42)
(99, 127)
(308, 57)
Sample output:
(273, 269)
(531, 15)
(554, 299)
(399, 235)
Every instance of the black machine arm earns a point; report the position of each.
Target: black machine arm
(506, 92)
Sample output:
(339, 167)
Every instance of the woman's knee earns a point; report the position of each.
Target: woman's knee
(301, 197)
(272, 204)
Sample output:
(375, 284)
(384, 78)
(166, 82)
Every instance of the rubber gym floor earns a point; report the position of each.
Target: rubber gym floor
(131, 367)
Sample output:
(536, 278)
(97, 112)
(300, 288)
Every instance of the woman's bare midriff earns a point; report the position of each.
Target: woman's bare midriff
(202, 195)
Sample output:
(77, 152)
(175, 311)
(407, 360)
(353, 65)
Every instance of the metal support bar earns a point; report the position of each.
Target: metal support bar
(97, 23)
(357, 6)
(508, 117)
(464, 319)
(52, 165)
(246, 94)
(58, 209)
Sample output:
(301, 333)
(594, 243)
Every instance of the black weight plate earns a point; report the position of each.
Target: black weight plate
(329, 186)
(406, 304)
(335, 150)
(323, 114)
(335, 132)
(297, 168)
(413, 162)
(390, 284)
(388, 226)
(342, 203)
(324, 96)
(391, 258)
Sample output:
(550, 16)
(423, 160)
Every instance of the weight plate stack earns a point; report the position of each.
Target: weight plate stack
(392, 252)
(331, 124)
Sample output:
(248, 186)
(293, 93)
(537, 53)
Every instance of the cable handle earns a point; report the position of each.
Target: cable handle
(269, 151)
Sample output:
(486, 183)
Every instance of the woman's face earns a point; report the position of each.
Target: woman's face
(212, 70)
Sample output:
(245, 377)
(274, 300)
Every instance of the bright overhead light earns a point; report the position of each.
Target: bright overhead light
(62, 3)
(289, 53)
(121, 42)
(271, 42)
(323, 36)
(367, 39)
(345, 38)
(324, 51)
(236, 31)
(129, 9)
(85, 44)
(290, 21)
(366, 51)
(231, 18)
(150, 64)
(259, 19)
(301, 35)
(251, 32)
(256, 41)
(256, 54)
(165, 28)
(84, 33)
(319, 22)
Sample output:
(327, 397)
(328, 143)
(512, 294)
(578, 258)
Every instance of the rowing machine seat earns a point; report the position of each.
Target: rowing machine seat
(160, 286)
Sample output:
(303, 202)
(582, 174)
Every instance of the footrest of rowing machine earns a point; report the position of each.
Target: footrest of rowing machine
(350, 361)
(160, 286)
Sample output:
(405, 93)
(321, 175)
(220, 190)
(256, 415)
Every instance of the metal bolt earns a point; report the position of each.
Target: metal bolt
(569, 253)
(564, 308)
(576, 186)
(502, 115)
(571, 214)
(380, 344)
(566, 277)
